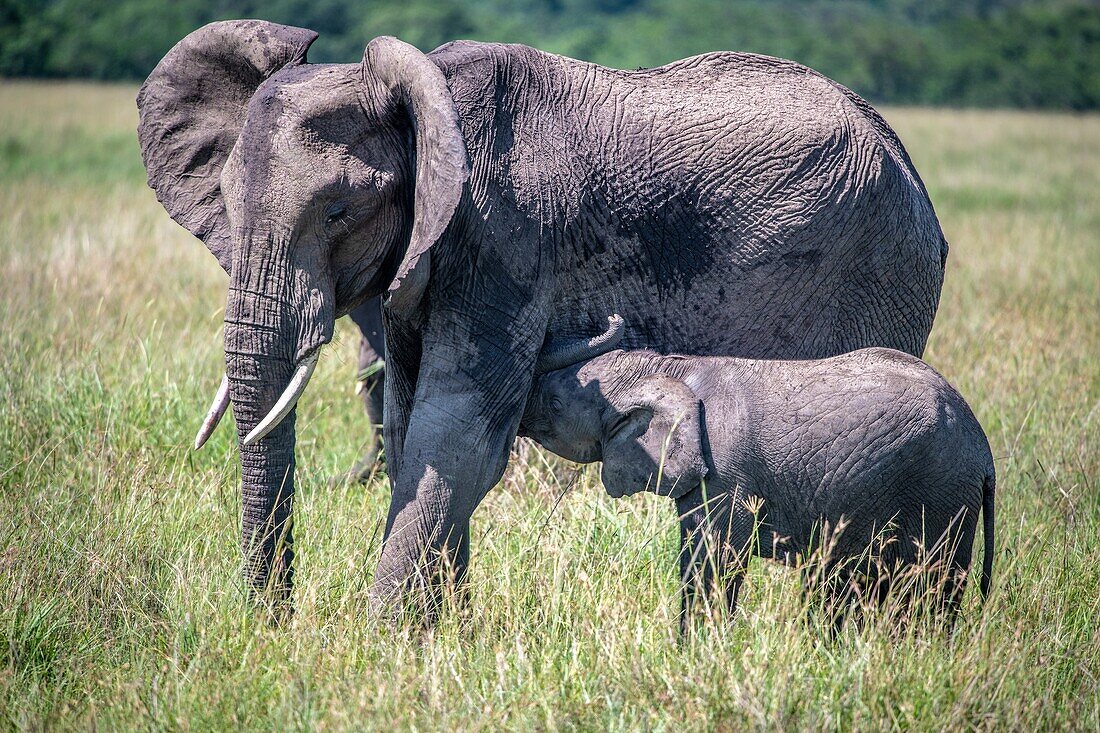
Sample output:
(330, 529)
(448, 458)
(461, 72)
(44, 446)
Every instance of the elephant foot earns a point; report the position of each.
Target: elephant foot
(422, 601)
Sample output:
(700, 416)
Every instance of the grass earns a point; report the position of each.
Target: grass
(118, 546)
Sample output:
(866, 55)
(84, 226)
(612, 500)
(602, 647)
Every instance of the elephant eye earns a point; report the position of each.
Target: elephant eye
(555, 405)
(335, 213)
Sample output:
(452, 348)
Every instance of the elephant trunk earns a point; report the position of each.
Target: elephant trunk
(561, 355)
(267, 466)
(277, 317)
(260, 355)
(267, 494)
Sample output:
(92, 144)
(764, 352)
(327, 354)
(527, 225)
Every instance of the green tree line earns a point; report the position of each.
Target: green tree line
(1015, 53)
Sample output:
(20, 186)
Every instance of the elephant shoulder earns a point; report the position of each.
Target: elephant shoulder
(457, 53)
(464, 57)
(480, 74)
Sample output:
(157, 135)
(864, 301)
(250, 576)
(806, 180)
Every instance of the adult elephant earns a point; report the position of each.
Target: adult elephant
(724, 204)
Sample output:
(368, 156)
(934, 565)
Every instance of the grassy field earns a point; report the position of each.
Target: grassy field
(123, 606)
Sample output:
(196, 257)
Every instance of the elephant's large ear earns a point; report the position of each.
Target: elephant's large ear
(191, 109)
(396, 73)
(657, 441)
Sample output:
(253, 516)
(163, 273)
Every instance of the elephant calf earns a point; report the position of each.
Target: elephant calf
(859, 464)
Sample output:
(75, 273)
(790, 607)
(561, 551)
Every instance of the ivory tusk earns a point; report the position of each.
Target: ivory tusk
(214, 415)
(286, 401)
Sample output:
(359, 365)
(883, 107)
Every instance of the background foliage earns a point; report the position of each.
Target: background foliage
(1021, 53)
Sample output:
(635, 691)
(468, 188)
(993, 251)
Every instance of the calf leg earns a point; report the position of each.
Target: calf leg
(956, 568)
(715, 541)
(830, 592)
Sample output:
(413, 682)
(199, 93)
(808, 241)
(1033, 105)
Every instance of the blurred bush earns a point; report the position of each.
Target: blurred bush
(1019, 53)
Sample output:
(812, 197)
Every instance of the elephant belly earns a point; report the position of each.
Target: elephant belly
(701, 297)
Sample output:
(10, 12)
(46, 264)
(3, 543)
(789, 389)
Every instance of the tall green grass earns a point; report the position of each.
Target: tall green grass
(123, 606)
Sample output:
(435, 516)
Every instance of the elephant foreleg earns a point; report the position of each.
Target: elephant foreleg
(456, 385)
(450, 462)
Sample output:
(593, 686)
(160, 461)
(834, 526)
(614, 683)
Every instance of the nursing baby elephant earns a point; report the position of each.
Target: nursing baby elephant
(861, 464)
(724, 204)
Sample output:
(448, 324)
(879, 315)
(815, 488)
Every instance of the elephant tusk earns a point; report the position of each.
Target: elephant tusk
(286, 401)
(214, 415)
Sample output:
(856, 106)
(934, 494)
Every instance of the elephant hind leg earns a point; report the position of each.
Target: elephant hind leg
(939, 571)
(844, 588)
(920, 582)
(370, 385)
(950, 601)
(955, 570)
(370, 380)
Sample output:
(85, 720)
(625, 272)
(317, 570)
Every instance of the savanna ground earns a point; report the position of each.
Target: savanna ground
(122, 602)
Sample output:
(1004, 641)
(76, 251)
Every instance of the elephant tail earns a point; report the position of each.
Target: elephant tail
(989, 489)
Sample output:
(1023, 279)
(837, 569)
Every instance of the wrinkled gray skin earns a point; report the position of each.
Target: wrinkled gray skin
(725, 204)
(861, 441)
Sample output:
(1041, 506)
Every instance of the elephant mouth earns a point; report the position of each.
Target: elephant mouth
(287, 400)
(614, 494)
(617, 492)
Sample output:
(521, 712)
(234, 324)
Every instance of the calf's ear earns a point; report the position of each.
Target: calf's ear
(656, 440)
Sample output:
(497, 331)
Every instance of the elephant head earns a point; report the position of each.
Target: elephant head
(644, 426)
(652, 439)
(315, 187)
